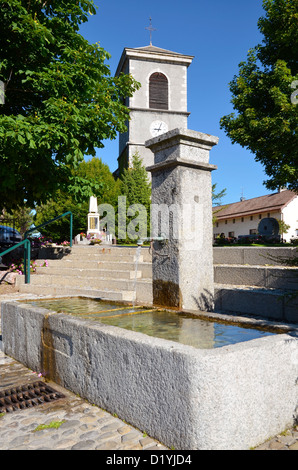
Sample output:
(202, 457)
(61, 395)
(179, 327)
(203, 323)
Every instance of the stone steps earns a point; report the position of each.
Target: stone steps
(110, 250)
(83, 281)
(258, 276)
(102, 265)
(110, 273)
(110, 253)
(253, 281)
(66, 291)
(94, 273)
(251, 255)
(271, 277)
(272, 304)
(105, 258)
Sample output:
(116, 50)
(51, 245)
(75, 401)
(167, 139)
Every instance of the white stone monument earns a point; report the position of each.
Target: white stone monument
(93, 218)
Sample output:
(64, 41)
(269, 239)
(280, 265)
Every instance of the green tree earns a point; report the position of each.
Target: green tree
(262, 94)
(136, 188)
(95, 169)
(58, 231)
(217, 196)
(283, 227)
(108, 192)
(216, 201)
(61, 101)
(23, 217)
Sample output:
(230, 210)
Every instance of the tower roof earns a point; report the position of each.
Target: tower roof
(159, 50)
(153, 53)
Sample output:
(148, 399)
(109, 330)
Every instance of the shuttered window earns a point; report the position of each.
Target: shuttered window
(158, 91)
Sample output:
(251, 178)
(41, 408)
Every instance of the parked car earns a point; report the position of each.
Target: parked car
(9, 236)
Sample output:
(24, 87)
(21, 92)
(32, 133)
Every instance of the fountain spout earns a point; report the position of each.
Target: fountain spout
(141, 241)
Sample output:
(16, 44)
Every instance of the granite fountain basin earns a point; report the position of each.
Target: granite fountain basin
(211, 394)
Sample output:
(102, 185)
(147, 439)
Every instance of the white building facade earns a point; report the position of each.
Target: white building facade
(243, 217)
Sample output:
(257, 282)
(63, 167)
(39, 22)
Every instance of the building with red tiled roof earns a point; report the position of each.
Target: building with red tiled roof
(244, 217)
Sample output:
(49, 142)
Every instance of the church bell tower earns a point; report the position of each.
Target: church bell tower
(159, 105)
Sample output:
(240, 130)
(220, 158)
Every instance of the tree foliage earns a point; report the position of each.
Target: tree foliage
(135, 184)
(217, 196)
(23, 217)
(216, 201)
(136, 187)
(61, 101)
(59, 231)
(267, 118)
(95, 169)
(107, 193)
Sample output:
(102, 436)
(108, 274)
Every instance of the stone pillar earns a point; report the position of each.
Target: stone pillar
(182, 213)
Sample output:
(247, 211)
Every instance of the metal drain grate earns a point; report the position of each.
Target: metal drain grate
(27, 396)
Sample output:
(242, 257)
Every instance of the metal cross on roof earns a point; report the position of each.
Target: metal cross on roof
(150, 29)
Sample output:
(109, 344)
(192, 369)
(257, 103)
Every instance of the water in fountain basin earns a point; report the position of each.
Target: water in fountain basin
(183, 328)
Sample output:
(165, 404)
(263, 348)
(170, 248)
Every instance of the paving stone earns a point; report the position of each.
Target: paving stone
(124, 429)
(132, 447)
(19, 448)
(108, 445)
(70, 424)
(65, 443)
(276, 445)
(69, 432)
(88, 427)
(90, 419)
(130, 436)
(89, 435)
(110, 435)
(20, 440)
(294, 446)
(153, 447)
(110, 427)
(146, 441)
(262, 446)
(287, 440)
(84, 445)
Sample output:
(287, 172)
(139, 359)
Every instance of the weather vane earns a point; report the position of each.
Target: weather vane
(150, 29)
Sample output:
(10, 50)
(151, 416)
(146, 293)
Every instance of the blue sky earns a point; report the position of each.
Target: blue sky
(218, 34)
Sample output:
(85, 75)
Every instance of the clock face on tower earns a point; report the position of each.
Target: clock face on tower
(158, 128)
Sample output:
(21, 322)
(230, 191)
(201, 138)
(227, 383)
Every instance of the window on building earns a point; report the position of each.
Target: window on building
(234, 221)
(231, 234)
(260, 216)
(226, 222)
(251, 217)
(253, 231)
(158, 91)
(242, 219)
(268, 215)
